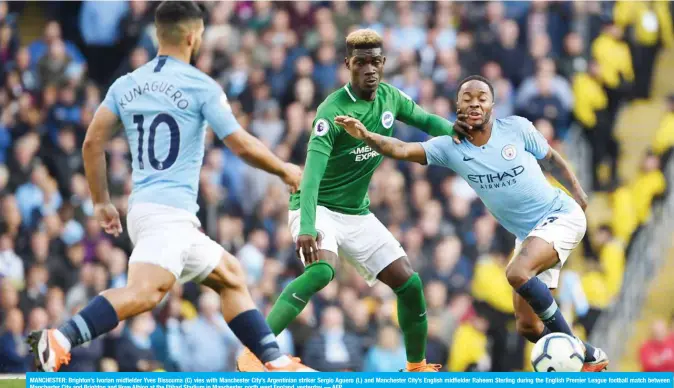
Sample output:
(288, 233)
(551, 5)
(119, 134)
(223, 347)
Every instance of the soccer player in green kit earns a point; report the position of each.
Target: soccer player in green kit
(330, 213)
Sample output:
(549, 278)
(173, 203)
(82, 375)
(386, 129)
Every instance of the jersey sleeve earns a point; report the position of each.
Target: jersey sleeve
(437, 151)
(323, 135)
(218, 113)
(534, 142)
(412, 114)
(110, 100)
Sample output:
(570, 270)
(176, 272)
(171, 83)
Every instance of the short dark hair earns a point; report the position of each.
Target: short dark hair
(475, 78)
(173, 12)
(170, 14)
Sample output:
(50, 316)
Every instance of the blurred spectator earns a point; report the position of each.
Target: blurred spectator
(333, 348)
(573, 60)
(14, 357)
(469, 347)
(544, 103)
(591, 112)
(388, 354)
(134, 22)
(99, 26)
(134, 352)
(252, 255)
(651, 27)
(615, 64)
(11, 265)
(512, 57)
(657, 354)
(209, 345)
(52, 35)
(35, 291)
(647, 186)
(267, 124)
(370, 18)
(449, 266)
(664, 137)
(8, 43)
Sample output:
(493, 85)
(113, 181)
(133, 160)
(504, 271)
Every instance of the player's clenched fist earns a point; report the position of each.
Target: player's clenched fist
(353, 126)
(292, 177)
(108, 217)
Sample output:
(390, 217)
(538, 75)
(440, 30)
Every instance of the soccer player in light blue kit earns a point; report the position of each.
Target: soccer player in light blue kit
(500, 160)
(164, 108)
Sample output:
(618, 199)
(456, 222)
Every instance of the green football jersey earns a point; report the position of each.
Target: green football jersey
(344, 185)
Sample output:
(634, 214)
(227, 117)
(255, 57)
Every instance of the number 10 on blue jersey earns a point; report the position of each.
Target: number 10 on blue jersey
(174, 143)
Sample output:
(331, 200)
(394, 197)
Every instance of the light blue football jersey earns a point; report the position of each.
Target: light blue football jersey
(165, 107)
(505, 173)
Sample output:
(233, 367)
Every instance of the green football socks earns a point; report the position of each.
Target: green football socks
(296, 295)
(412, 318)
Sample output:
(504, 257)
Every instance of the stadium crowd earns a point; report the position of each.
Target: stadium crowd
(557, 63)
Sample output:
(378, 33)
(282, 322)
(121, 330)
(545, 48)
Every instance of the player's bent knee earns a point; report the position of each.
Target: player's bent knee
(517, 275)
(147, 296)
(322, 274)
(229, 272)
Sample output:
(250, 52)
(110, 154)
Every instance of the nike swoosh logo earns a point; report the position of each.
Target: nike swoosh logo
(422, 314)
(298, 298)
(465, 159)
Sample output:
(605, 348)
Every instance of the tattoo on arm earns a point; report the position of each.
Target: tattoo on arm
(387, 146)
(559, 169)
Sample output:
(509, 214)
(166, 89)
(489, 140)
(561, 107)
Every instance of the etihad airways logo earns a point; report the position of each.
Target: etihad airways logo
(493, 181)
(363, 153)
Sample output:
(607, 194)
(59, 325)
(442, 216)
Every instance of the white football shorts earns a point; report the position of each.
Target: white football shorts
(564, 231)
(360, 239)
(170, 238)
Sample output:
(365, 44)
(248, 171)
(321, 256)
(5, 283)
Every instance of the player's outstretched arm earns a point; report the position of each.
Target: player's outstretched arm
(250, 149)
(387, 146)
(412, 114)
(560, 169)
(103, 125)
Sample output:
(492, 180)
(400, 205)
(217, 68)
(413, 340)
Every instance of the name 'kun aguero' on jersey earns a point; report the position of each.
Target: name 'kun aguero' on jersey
(159, 87)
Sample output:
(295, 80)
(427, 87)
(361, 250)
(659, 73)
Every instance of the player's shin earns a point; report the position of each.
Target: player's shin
(539, 297)
(97, 318)
(254, 333)
(296, 295)
(412, 318)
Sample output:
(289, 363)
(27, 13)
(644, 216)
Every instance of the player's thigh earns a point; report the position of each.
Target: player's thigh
(155, 261)
(397, 273)
(149, 278)
(161, 248)
(210, 264)
(370, 247)
(534, 256)
(326, 226)
(545, 251)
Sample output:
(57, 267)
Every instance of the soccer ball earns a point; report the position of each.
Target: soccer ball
(558, 352)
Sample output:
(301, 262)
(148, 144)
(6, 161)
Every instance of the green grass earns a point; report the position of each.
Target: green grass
(13, 383)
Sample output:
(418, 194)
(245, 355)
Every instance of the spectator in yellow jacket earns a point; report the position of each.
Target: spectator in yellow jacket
(591, 111)
(611, 252)
(649, 183)
(589, 96)
(613, 56)
(650, 23)
(664, 137)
